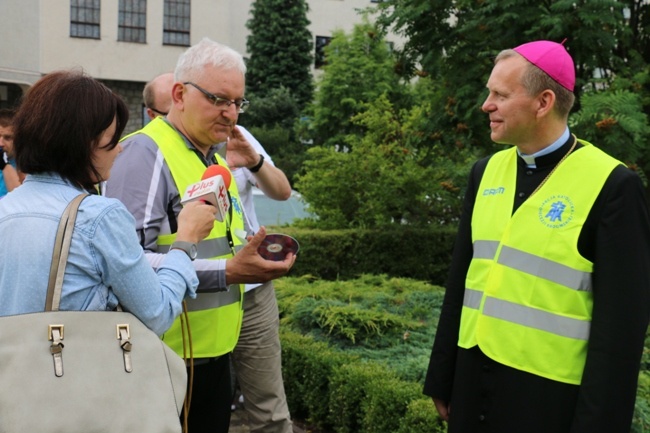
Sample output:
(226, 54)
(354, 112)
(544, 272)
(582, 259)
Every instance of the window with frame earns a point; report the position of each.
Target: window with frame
(132, 21)
(319, 54)
(84, 18)
(176, 22)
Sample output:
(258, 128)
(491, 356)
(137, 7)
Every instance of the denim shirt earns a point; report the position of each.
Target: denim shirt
(106, 264)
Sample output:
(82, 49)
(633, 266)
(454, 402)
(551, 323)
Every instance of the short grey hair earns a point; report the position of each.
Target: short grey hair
(207, 52)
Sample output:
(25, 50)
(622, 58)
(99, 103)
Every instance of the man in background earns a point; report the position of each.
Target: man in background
(257, 357)
(157, 96)
(9, 176)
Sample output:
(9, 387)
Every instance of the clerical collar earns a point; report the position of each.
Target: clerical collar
(530, 159)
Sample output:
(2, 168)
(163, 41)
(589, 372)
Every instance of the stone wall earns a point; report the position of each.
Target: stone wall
(131, 92)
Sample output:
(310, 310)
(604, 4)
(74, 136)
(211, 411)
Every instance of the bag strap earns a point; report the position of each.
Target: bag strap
(60, 253)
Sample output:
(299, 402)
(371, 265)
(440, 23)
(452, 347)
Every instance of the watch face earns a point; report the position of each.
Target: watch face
(189, 248)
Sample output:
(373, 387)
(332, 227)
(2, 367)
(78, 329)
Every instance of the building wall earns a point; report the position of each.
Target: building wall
(108, 58)
(20, 32)
(35, 39)
(131, 92)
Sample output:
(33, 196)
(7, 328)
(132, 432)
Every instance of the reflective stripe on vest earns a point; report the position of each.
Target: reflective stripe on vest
(207, 301)
(530, 264)
(528, 297)
(215, 317)
(208, 248)
(538, 319)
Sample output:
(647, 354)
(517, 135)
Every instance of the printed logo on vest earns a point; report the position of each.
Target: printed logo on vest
(494, 191)
(236, 205)
(556, 211)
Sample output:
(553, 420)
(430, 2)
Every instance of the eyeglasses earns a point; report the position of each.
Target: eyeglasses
(220, 102)
(162, 113)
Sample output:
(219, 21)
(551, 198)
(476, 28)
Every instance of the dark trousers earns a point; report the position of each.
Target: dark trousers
(211, 396)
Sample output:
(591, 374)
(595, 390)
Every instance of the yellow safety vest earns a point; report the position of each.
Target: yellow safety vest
(528, 293)
(215, 318)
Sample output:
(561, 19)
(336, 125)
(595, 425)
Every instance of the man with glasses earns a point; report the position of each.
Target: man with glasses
(150, 176)
(257, 358)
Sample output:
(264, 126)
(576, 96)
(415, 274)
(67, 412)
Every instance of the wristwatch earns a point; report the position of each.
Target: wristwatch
(189, 248)
(256, 167)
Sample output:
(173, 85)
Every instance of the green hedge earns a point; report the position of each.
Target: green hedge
(343, 394)
(348, 391)
(403, 251)
(307, 367)
(421, 417)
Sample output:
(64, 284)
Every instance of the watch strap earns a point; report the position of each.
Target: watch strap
(257, 166)
(188, 247)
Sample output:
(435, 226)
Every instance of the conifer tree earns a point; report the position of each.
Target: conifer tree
(280, 48)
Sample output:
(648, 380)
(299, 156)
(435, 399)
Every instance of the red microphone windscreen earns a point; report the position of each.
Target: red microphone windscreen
(215, 170)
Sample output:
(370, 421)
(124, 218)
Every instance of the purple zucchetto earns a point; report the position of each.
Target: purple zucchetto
(551, 58)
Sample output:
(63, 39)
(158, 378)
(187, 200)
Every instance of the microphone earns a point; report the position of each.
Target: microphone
(212, 189)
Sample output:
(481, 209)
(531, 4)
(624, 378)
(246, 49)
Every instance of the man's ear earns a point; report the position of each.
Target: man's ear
(178, 93)
(546, 102)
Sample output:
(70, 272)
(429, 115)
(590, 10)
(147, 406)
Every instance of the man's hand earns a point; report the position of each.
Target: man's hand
(195, 221)
(239, 152)
(249, 267)
(442, 408)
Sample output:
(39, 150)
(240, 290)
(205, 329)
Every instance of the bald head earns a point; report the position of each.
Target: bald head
(157, 95)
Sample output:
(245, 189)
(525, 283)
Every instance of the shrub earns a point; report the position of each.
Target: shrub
(307, 369)
(421, 417)
(419, 253)
(348, 389)
(386, 404)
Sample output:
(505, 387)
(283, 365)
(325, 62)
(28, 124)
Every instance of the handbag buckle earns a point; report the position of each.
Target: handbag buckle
(122, 327)
(52, 328)
(55, 335)
(124, 336)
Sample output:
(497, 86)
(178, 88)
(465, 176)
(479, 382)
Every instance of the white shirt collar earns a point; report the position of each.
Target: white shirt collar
(530, 159)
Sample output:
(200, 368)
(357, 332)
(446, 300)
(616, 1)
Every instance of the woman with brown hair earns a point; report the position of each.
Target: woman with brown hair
(67, 134)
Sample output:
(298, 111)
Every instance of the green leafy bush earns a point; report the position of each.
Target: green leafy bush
(348, 389)
(386, 404)
(390, 321)
(339, 392)
(345, 375)
(641, 419)
(307, 368)
(348, 324)
(421, 417)
(404, 251)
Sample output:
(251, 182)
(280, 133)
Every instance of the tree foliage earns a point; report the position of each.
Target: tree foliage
(277, 107)
(433, 115)
(454, 42)
(279, 78)
(382, 179)
(615, 121)
(359, 69)
(280, 47)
